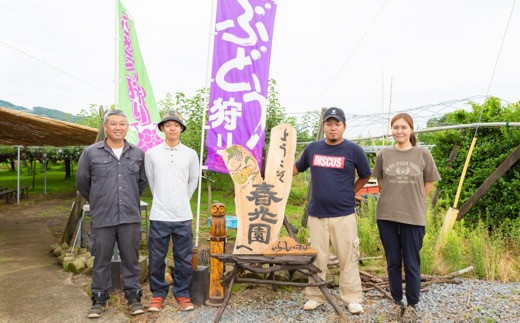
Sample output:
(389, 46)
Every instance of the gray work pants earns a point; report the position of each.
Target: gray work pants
(102, 242)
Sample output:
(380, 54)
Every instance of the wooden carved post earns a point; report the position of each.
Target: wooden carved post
(260, 202)
(217, 246)
(195, 259)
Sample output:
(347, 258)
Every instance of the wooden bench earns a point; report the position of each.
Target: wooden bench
(9, 194)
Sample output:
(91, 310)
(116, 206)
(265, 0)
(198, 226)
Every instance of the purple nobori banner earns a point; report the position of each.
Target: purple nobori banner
(240, 73)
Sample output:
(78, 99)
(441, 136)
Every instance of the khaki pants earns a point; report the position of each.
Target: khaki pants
(342, 233)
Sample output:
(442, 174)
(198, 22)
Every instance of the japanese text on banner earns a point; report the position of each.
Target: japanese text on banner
(135, 95)
(240, 73)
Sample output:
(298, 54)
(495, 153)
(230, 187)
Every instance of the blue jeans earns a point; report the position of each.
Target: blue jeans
(182, 237)
(402, 243)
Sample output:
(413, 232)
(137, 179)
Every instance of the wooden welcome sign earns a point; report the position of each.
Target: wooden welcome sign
(260, 203)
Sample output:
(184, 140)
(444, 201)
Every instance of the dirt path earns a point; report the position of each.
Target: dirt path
(33, 287)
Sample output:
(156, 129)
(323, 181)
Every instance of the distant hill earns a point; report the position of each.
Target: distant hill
(41, 111)
(54, 114)
(9, 105)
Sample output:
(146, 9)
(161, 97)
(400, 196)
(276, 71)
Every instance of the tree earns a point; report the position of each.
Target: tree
(90, 116)
(191, 111)
(493, 146)
(8, 154)
(308, 126)
(275, 114)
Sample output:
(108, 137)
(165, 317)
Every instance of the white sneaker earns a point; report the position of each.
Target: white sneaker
(355, 308)
(311, 305)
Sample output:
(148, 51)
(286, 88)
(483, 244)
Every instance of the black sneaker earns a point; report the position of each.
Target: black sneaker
(97, 309)
(135, 307)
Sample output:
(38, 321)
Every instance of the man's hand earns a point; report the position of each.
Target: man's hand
(360, 182)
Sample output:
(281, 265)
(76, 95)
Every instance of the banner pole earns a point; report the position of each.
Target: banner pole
(18, 177)
(116, 59)
(204, 109)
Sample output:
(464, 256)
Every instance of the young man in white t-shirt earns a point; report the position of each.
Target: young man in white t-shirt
(172, 170)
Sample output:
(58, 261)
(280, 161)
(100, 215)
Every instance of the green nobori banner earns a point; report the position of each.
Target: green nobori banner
(135, 95)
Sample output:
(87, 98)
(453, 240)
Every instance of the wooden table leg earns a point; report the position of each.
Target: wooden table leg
(10, 198)
(228, 296)
(329, 297)
(272, 277)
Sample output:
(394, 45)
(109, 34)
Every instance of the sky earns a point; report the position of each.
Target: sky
(324, 53)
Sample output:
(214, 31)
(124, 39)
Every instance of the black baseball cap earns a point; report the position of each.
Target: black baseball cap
(172, 116)
(335, 113)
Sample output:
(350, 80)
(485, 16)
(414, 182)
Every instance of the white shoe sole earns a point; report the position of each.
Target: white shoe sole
(95, 316)
(356, 312)
(137, 312)
(311, 308)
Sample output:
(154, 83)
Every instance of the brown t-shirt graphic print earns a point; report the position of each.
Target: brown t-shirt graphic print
(402, 174)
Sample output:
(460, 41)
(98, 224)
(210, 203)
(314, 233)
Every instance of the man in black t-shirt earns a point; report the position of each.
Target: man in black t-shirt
(332, 218)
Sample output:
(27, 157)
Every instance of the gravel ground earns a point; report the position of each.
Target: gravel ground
(470, 301)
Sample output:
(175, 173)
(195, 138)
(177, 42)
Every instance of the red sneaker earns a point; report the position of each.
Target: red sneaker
(156, 304)
(185, 303)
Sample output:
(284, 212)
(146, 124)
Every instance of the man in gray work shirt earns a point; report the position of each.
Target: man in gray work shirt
(111, 176)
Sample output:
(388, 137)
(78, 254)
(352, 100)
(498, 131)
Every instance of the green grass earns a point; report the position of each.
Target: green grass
(454, 253)
(238, 287)
(370, 244)
(56, 181)
(493, 252)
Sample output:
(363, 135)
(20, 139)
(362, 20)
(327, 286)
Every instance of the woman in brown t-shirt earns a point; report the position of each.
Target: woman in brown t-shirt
(406, 174)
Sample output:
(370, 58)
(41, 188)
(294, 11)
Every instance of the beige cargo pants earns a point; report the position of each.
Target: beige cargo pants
(340, 232)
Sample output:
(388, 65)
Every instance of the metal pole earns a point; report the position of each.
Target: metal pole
(203, 126)
(45, 175)
(305, 217)
(460, 126)
(18, 179)
(115, 264)
(116, 57)
(389, 108)
(382, 102)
